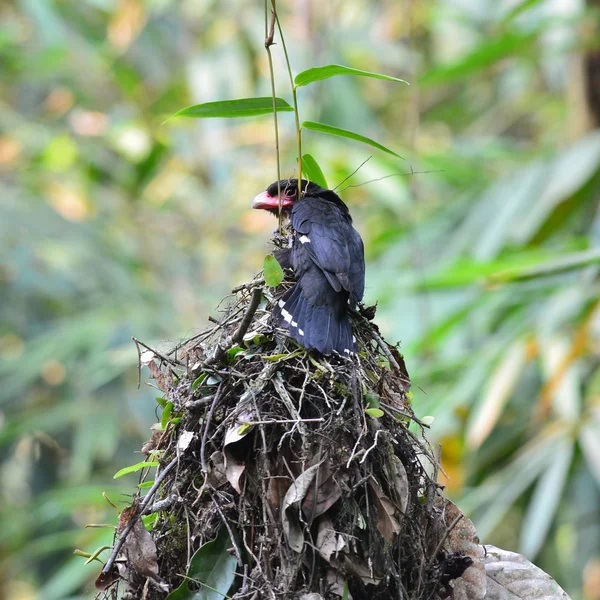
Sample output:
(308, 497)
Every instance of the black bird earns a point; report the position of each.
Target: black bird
(327, 255)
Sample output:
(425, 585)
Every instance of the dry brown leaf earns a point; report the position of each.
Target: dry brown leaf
(328, 493)
(400, 485)
(336, 582)
(327, 538)
(217, 477)
(463, 539)
(387, 523)
(139, 547)
(159, 376)
(510, 576)
(295, 494)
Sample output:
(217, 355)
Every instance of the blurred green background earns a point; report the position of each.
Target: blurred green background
(113, 224)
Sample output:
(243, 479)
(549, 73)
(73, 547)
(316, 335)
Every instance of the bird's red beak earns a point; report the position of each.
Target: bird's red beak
(267, 202)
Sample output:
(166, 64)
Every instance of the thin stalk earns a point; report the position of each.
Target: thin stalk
(269, 34)
(294, 97)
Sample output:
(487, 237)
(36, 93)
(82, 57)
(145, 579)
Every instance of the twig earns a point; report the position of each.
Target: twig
(139, 369)
(283, 421)
(249, 285)
(238, 554)
(206, 428)
(163, 358)
(245, 324)
(412, 172)
(364, 162)
(362, 460)
(294, 98)
(382, 344)
(241, 330)
(192, 404)
(162, 504)
(445, 536)
(141, 508)
(405, 414)
(269, 35)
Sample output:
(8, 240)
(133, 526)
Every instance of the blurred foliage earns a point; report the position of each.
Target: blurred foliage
(115, 224)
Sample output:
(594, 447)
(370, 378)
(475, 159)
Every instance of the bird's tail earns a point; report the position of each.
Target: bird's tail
(324, 327)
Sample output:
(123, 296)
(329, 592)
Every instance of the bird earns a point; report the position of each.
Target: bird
(327, 256)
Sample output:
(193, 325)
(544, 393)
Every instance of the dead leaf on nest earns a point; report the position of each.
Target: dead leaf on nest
(217, 475)
(357, 567)
(387, 523)
(463, 539)
(139, 547)
(336, 583)
(105, 580)
(185, 439)
(235, 468)
(327, 538)
(295, 494)
(158, 376)
(328, 493)
(401, 486)
(511, 576)
(152, 443)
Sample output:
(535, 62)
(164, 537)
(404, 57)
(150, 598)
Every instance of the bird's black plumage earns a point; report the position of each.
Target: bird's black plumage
(327, 256)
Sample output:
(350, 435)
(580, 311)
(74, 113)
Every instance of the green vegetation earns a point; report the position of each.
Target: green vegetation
(117, 220)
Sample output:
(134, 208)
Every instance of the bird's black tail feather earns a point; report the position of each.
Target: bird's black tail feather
(325, 327)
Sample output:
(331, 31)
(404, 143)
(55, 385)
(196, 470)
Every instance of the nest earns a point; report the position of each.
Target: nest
(299, 472)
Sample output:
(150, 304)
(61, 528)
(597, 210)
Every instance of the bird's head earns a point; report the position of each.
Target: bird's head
(269, 199)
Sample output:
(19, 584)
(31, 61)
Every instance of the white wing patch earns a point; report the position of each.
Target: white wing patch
(305, 239)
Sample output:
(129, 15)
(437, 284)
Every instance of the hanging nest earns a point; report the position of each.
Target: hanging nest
(284, 474)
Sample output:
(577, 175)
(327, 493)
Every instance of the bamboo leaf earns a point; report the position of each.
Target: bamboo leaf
(330, 130)
(273, 271)
(320, 73)
(312, 171)
(243, 107)
(135, 468)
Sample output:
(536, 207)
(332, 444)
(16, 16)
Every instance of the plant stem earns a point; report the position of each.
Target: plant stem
(294, 97)
(269, 33)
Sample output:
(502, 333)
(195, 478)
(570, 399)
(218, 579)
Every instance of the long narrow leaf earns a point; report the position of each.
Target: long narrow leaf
(243, 107)
(330, 130)
(135, 468)
(320, 73)
(312, 171)
(545, 500)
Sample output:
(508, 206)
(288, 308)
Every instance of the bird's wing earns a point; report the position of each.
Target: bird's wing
(326, 234)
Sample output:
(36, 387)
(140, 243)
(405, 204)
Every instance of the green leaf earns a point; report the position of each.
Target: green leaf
(273, 271)
(161, 401)
(329, 129)
(135, 468)
(166, 414)
(232, 353)
(345, 592)
(146, 484)
(244, 429)
(213, 567)
(490, 51)
(199, 380)
(312, 171)
(376, 413)
(243, 107)
(319, 73)
(372, 400)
